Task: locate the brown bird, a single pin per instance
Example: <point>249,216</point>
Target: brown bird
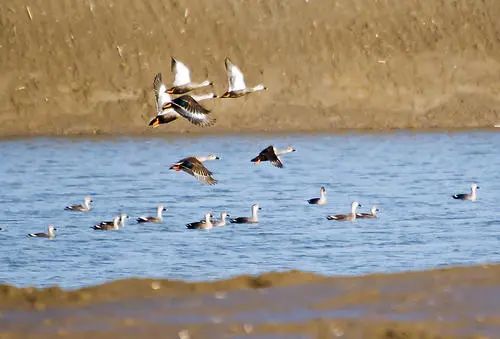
<point>271,154</point>
<point>194,166</point>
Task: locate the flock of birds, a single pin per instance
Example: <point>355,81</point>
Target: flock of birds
<point>188,107</point>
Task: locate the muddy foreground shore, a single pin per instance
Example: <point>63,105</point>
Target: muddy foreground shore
<point>444,303</point>
<point>87,67</point>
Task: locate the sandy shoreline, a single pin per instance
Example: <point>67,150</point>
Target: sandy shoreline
<point>442,303</point>
<point>87,69</point>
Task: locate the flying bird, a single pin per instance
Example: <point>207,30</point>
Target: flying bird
<point>194,166</point>
<point>236,80</point>
<point>272,154</point>
<point>168,109</point>
<point>182,79</point>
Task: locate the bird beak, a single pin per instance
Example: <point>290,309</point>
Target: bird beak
<point>260,208</point>
<point>477,187</point>
<point>164,210</point>
<point>217,158</point>
<point>359,205</point>
<point>293,150</point>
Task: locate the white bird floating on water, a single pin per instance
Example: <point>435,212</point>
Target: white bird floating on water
<point>85,207</point>
<point>182,79</point>
<point>346,217</point>
<point>222,220</point>
<point>158,219</point>
<point>51,233</point>
<point>322,198</point>
<point>236,80</point>
<point>472,196</point>
<point>254,219</point>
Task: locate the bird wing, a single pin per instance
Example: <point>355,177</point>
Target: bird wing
<point>196,168</point>
<point>270,154</point>
<point>161,94</point>
<point>182,75</point>
<point>235,76</point>
<point>190,109</point>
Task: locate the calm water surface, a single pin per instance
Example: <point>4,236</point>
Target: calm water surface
<point>409,176</point>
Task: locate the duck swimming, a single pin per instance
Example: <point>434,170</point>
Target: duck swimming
<point>248,220</point>
<point>51,233</point>
<point>158,219</point>
<point>322,198</point>
<point>346,217</point>
<point>472,196</point>
<point>85,207</point>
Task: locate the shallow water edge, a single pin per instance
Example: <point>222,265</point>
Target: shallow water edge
<point>440,303</point>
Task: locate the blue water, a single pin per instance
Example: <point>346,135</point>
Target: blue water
<point>409,176</point>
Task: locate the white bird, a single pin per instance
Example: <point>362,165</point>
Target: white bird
<point>322,198</point>
<point>158,219</point>
<point>346,217</point>
<point>50,233</point>
<point>85,207</point>
<point>168,109</point>
<point>237,86</point>
<point>272,154</point>
<point>222,220</point>
<point>472,196</point>
<point>182,79</point>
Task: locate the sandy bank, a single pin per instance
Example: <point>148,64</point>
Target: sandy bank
<point>445,303</point>
<point>87,67</point>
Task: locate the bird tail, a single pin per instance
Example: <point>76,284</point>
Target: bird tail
<point>331,217</point>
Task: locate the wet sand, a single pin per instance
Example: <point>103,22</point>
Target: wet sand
<point>443,303</point>
<point>87,67</point>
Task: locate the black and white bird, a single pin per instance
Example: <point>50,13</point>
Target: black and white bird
<point>108,225</point>
<point>472,196</point>
<point>236,80</point>
<point>202,224</point>
<point>85,207</point>
<point>51,233</point>
<point>254,219</point>
<point>182,79</point>
<point>168,109</point>
<point>194,166</point>
<point>371,215</point>
<point>322,198</point>
<point>272,154</point>
<point>157,219</point>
